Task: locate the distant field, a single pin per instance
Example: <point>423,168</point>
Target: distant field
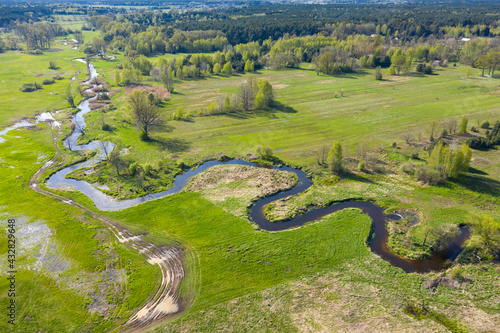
<point>73,22</point>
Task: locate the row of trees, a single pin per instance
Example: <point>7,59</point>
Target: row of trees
<point>252,95</point>
<point>450,161</point>
<point>39,35</point>
<point>489,61</point>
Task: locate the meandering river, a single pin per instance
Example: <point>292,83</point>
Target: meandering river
<point>377,240</point>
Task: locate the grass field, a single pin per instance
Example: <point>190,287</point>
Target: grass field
<point>373,113</point>
<point>251,279</point>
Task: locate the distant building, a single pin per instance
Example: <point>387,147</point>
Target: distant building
<point>436,63</point>
<point>452,39</point>
<point>465,39</point>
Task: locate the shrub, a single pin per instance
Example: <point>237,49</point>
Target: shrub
<point>408,168</point>
<point>53,64</point>
<point>485,125</point>
<point>361,165</point>
<point>106,127</point>
<point>29,87</point>
<point>478,142</point>
<point>148,169</point>
<point>48,81</point>
<point>134,168</point>
<point>428,176</point>
<point>378,73</point>
<point>473,129</point>
<point>58,77</point>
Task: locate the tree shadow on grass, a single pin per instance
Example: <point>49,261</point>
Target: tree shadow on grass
<point>356,177</point>
<point>268,112</point>
<point>172,145</point>
<point>477,171</point>
<point>479,184</point>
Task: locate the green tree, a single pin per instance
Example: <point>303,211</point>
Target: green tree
<point>335,157</point>
<point>378,73</point>
<point>485,233</point>
<point>217,69</point>
<point>117,77</point>
<point>444,236</point>
<point>264,97</point>
<point>462,126</point>
<point>226,106</point>
<point>227,69</point>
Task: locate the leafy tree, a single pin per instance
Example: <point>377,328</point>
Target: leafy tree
<point>146,116</point>
<point>217,69</point>
<point>53,64</point>
<point>264,97</point>
<point>444,236</point>
<point>117,77</point>
<point>179,113</point>
<point>245,95</point>
<point>378,73</point>
<point>226,106</point>
<point>227,69</point>
<point>486,233</point>
<point>335,157</point>
<point>433,126</point>
<point>114,159</point>
<point>462,126</point>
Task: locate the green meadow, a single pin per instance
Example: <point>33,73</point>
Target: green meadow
<point>245,278</point>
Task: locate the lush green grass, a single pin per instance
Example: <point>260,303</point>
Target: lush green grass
<point>371,112</point>
<point>51,301</point>
<point>234,258</point>
<point>17,68</point>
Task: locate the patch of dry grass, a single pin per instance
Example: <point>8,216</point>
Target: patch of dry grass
<point>226,185</point>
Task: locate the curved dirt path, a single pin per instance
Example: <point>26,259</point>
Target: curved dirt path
<point>169,259</point>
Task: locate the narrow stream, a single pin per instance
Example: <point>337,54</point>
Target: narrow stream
<point>377,240</point>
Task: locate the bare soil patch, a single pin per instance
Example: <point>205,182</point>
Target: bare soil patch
<point>159,91</point>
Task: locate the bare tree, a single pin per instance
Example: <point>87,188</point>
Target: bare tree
<point>79,128</point>
<point>168,82</point>
<point>323,155</point>
<point>104,148</point>
<point>69,96</point>
<point>115,159</point>
<point>246,96</point>
<point>146,116</point>
<point>408,137</point>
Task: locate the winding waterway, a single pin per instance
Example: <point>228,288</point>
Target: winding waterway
<point>377,240</point>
